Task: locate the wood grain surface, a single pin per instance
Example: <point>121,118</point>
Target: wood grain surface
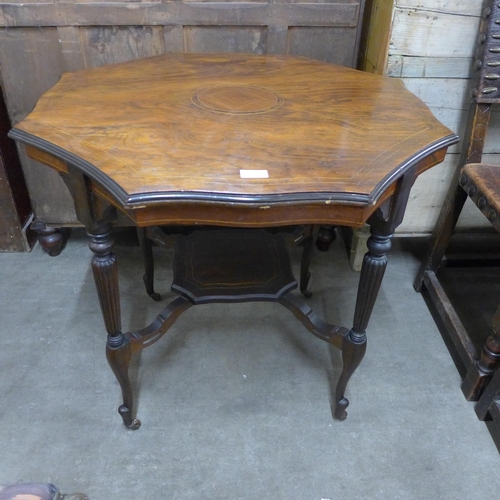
<point>182,126</point>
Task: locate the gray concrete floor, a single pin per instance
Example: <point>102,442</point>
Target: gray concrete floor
<point>234,400</point>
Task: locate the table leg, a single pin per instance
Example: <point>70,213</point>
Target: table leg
<point>118,351</point>
<point>147,255</point>
<point>354,344</point>
<point>307,253</point>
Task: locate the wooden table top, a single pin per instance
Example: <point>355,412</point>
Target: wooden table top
<point>192,128</point>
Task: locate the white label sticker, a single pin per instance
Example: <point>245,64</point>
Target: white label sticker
<point>254,174</point>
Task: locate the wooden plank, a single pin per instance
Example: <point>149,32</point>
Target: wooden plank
<point>429,67</point>
<point>212,39</point>
<point>448,99</point>
<point>334,45</point>
<point>377,26</point>
<point>462,7</point>
<point>422,33</point>
<point>335,13</point>
<point>448,93</point>
<point>114,44</point>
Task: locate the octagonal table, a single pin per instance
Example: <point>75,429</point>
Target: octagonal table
<point>238,141</point>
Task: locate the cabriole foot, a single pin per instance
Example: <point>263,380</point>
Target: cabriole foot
<point>130,423</point>
<point>340,412</point>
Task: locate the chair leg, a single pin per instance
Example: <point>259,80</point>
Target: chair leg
<point>489,397</point>
<point>441,235</point>
<point>475,134</point>
<point>481,371</point>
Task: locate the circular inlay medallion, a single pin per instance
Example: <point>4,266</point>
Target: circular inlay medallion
<point>237,99</point>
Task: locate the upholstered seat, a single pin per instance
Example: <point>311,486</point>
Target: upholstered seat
<point>482,183</point>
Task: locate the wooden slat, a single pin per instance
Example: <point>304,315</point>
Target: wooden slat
<point>341,13</point>
<point>448,99</point>
<point>421,33</point>
<point>429,67</point>
<point>462,7</point>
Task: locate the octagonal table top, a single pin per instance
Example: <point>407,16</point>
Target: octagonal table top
<point>236,127</point>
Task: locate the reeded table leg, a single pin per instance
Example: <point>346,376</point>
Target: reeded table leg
<point>354,344</point>
<point>118,353</point>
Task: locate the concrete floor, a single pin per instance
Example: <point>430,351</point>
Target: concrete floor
<point>234,401</point>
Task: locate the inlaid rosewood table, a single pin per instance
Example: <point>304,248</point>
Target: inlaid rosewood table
<point>238,141</point>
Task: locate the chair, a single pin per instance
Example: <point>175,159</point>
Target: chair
<point>480,182</point>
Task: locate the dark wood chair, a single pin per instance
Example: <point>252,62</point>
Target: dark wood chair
<point>480,182</point>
